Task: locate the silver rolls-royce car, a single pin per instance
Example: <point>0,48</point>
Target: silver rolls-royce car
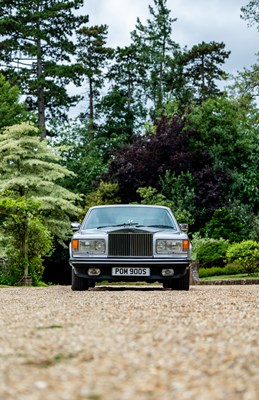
<point>130,243</point>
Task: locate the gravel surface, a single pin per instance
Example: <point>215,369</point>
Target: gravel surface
<point>137,343</point>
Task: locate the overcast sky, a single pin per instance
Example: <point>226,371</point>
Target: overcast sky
<point>197,21</point>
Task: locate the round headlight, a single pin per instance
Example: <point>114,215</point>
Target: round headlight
<point>161,245</point>
<point>99,246</point>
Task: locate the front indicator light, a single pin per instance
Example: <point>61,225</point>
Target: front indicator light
<point>75,244</point>
<point>186,245</point>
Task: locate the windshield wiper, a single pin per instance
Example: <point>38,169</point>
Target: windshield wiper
<point>117,225</point>
<point>161,226</point>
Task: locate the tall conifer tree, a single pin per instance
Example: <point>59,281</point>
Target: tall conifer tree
<point>93,56</point>
<point>201,66</point>
<point>157,48</point>
<point>36,48</point>
<point>250,13</point>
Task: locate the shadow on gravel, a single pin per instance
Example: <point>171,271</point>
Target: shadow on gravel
<point>129,288</point>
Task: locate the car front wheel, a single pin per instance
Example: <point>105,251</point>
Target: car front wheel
<point>79,283</point>
<point>182,283</point>
<point>167,285</point>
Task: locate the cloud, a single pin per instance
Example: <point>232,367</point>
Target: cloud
<point>197,21</point>
<point>120,16</point>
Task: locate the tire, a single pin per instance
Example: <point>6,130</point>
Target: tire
<point>79,283</point>
<point>182,283</point>
<point>167,285</point>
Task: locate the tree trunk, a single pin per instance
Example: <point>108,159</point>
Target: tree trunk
<point>202,76</point>
<point>24,246</point>
<point>91,106</point>
<point>40,93</point>
<point>41,112</point>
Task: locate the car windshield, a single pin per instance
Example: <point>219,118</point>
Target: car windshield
<point>120,216</point>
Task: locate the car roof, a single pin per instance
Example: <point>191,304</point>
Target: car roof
<point>129,205</point>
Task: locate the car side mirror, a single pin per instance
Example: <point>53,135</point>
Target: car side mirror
<point>75,226</point>
<point>184,227</point>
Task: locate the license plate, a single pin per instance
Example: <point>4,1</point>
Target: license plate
<point>130,271</point>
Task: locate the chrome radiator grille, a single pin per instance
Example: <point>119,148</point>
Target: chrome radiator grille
<point>130,244</point>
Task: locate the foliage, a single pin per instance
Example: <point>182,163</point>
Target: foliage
<point>82,152</point>
<point>218,126</point>
<point>225,128</point>
<point>245,187</point>
<point>211,252</point>
<point>245,254</point>
<point>24,237</point>
<point>156,47</point>
<point>246,86</point>
<point>11,110</point>
<point>201,68</point>
<point>93,56</point>
<point>107,193</point>
<point>29,168</point>
<point>37,204</point>
<point>226,225</point>
<point>193,160</point>
<point>36,51</point>
<point>165,159</point>
<point>220,271</point>
<point>124,106</point>
<point>254,235</point>
<point>181,191</point>
<point>250,13</point>
<point>120,115</point>
<point>149,195</point>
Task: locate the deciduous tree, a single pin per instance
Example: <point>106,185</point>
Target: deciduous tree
<point>145,164</point>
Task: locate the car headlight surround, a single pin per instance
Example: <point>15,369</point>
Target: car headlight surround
<point>91,246</point>
<point>170,246</point>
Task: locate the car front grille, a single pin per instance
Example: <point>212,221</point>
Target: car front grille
<point>130,245</point>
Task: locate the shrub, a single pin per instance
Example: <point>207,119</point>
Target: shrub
<point>107,193</point>
<point>149,195</point>
<point>24,237</point>
<point>197,241</point>
<point>246,254</point>
<point>227,225</point>
<point>218,271</point>
<point>211,252</point>
<point>39,246</point>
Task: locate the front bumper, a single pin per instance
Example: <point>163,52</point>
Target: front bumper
<point>81,266</point>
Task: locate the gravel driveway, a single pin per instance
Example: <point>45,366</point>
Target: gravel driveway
<point>137,343</point>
